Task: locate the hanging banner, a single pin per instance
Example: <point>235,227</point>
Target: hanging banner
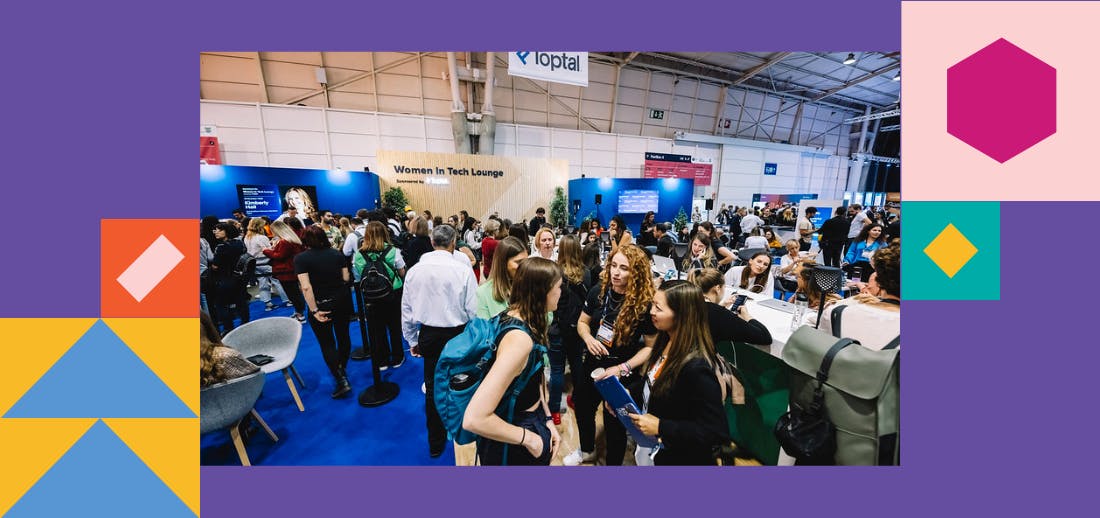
<point>667,165</point>
<point>570,68</point>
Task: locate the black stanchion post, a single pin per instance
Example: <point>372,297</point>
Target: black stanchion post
<point>359,353</point>
<point>381,392</point>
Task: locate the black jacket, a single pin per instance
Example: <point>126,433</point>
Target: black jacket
<point>834,231</point>
<point>727,327</point>
<point>416,247</point>
<point>535,224</point>
<point>693,419</point>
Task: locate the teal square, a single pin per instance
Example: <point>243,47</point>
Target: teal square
<point>979,222</point>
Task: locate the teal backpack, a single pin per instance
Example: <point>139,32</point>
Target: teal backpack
<point>465,361</point>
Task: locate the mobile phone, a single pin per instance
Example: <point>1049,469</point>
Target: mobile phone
<point>738,302</point>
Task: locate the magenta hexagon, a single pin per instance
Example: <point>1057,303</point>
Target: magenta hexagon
<point>1001,100</point>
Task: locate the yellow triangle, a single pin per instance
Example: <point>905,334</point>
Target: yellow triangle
<point>170,347</point>
<point>30,447</point>
<point>170,447</point>
<point>34,345</point>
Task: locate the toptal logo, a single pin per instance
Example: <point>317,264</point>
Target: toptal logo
<point>551,61</point>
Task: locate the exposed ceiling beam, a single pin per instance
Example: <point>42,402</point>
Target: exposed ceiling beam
<point>762,67</point>
<point>789,66</point>
<point>857,80</point>
<point>260,73</point>
<point>873,116</point>
<point>708,73</point>
<point>355,78</point>
<point>630,58</point>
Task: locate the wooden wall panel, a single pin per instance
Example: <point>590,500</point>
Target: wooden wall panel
<point>523,184</point>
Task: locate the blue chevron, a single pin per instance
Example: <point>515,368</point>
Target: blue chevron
<point>100,476</point>
<point>99,377</point>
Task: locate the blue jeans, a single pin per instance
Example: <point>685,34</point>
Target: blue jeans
<point>565,347</point>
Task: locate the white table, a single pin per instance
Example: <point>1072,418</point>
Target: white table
<point>778,322</point>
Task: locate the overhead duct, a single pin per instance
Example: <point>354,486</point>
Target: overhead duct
<point>458,110</point>
<point>487,136</point>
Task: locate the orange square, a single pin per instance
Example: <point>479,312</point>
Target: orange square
<point>149,268</point>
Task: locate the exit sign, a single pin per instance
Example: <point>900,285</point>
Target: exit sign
<point>656,114</point>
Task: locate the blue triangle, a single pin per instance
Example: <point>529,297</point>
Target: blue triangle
<point>100,476</point>
<point>99,376</point>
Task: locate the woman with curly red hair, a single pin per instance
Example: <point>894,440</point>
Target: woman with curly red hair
<point>618,332</point>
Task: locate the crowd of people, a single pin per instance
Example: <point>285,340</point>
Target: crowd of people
<point>586,293</point>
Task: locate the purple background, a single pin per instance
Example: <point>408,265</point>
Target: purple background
<point>101,122</point>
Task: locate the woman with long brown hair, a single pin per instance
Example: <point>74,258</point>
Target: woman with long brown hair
<point>682,396</point>
<point>535,292</point>
<point>616,328</point>
<point>700,253</point>
<point>493,296</point>
<point>756,276</point>
<point>620,235</point>
<point>218,362</point>
<point>565,344</point>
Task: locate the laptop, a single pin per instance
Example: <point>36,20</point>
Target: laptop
<point>781,305</point>
<point>662,265</point>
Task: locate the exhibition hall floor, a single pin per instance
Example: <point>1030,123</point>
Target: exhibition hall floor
<point>341,432</point>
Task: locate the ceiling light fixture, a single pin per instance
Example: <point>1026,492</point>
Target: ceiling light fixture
<point>850,60</point>
<point>897,77</point>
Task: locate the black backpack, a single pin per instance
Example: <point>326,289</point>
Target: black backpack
<point>244,270</point>
<point>572,301</point>
<point>398,236</point>
<point>376,283</point>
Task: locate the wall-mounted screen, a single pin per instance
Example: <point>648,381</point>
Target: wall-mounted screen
<point>637,201</point>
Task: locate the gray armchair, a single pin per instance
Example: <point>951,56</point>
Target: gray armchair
<point>223,406</point>
<point>277,337</point>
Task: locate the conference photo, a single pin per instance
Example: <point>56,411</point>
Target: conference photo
<point>550,258</point>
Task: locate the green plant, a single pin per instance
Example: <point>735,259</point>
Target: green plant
<point>395,199</point>
<point>557,208</point>
<point>681,220</point>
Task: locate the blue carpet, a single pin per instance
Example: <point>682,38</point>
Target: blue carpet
<point>331,431</point>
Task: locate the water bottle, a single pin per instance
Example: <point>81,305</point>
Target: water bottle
<point>800,305</point>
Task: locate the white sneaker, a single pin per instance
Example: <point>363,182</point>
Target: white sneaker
<point>578,457</point>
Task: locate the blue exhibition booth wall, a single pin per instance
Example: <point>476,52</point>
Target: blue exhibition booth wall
<point>339,191</point>
<point>672,195</point>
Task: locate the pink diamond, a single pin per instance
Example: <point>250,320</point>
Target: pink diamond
<point>151,267</point>
<point>1001,100</point>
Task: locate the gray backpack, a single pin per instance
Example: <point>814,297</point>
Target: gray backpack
<point>861,391</point>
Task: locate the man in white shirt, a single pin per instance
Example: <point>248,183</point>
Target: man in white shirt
<point>750,222</point>
<point>439,299</point>
<point>351,242</point>
<point>859,219</point>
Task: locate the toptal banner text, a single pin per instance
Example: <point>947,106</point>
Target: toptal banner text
<point>558,67</point>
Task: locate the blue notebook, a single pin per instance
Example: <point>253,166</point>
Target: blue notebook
<point>614,393</point>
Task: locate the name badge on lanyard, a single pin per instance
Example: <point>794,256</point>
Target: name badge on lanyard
<point>606,333</point>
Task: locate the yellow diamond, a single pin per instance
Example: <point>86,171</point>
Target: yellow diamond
<point>950,250</point>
